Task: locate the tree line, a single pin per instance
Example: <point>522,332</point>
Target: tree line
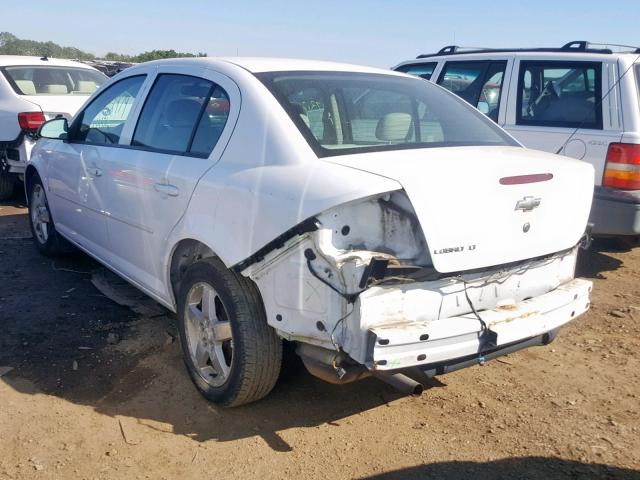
<point>12,45</point>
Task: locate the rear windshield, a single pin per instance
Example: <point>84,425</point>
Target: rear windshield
<point>343,113</point>
<point>27,80</point>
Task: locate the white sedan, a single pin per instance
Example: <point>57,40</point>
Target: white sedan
<point>378,222</point>
<point>32,91</point>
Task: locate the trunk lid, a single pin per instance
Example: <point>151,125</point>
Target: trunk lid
<point>477,207</point>
<point>54,105</point>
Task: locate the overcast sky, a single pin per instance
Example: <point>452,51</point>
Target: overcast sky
<point>374,32</point>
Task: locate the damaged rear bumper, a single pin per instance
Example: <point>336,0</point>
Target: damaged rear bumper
<point>321,289</point>
<point>431,343</point>
<point>441,368</point>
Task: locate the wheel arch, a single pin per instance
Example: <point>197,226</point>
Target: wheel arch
<point>30,173</point>
<point>185,253</point>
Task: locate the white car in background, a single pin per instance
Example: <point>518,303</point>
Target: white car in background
<point>580,100</point>
<point>377,221</point>
<point>33,90</point>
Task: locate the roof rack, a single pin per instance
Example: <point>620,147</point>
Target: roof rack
<point>582,46</point>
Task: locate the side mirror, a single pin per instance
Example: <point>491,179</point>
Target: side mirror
<point>56,129</point>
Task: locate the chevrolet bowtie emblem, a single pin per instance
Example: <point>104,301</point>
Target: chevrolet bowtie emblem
<point>528,203</point>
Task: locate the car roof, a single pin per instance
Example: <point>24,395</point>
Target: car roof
<point>575,49</point>
<point>520,54</point>
<point>269,64</point>
<point>523,53</point>
<point>16,60</point>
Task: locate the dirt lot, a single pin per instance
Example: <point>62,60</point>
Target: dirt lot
<point>98,390</point>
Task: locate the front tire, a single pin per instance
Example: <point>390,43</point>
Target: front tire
<point>45,237</point>
<point>232,355</point>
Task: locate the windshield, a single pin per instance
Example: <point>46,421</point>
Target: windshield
<point>27,80</point>
<point>344,113</point>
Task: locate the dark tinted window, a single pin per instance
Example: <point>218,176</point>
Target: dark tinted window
<point>479,83</point>
<point>560,94</point>
<point>211,123</point>
<point>343,113</point>
<point>422,70</point>
<point>182,114</point>
<point>102,121</point>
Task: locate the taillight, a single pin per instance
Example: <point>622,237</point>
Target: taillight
<point>622,170</point>
<point>31,121</point>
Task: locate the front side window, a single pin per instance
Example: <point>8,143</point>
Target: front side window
<point>182,114</point>
<point>560,94</point>
<point>422,70</point>
<point>344,113</point>
<point>101,123</point>
<point>27,80</point>
<point>478,82</point>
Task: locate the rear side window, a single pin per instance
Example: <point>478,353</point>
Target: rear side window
<point>182,114</point>
<point>479,83</point>
<point>27,80</point>
<point>560,94</point>
<point>101,123</point>
<point>422,70</point>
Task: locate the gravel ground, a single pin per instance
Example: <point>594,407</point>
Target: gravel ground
<point>93,389</point>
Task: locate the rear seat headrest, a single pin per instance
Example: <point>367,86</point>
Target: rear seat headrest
<point>86,86</point>
<point>27,87</point>
<point>394,127</point>
<point>55,88</point>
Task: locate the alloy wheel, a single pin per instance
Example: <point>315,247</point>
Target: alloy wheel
<point>209,334</point>
<point>40,217</point>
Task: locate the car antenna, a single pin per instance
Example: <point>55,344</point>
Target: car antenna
<point>564,145</point>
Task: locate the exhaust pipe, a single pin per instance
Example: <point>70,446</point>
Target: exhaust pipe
<point>334,367</point>
<point>329,365</point>
<point>400,382</point>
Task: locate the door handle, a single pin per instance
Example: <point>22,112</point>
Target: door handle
<point>167,189</point>
<point>94,171</point>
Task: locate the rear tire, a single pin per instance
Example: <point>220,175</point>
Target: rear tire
<point>232,355</point>
<point>7,185</point>
<point>45,237</point>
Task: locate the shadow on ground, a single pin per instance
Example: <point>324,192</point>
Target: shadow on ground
<point>594,264</point>
<point>597,261</point>
<point>511,469</point>
<point>13,221</point>
<point>63,337</point>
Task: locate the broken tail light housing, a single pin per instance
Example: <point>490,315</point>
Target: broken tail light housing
<point>30,122</point>
<point>622,170</point>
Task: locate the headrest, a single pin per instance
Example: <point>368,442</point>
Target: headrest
<point>86,86</point>
<point>394,127</point>
<point>301,112</point>
<point>26,86</point>
<point>55,89</point>
<point>182,113</point>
